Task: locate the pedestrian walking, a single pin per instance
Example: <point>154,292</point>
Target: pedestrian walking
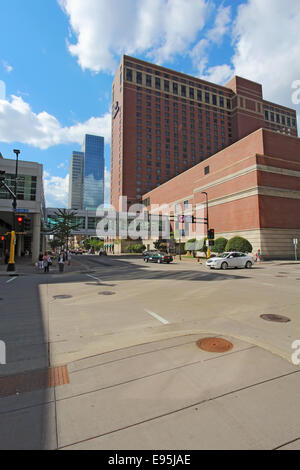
<point>69,258</point>
<point>41,261</point>
<point>49,260</point>
<point>61,263</point>
<point>46,263</point>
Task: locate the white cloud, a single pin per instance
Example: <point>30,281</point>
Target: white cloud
<point>221,26</point>
<point>7,67</point>
<point>56,190</point>
<point>220,74</point>
<point>18,123</point>
<point>200,52</point>
<point>105,30</point>
<point>199,55</point>
<point>267,46</point>
<point>2,90</point>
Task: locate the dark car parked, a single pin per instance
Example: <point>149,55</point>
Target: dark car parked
<point>158,257</point>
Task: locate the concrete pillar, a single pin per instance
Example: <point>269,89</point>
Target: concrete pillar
<point>19,245</point>
<point>36,237</point>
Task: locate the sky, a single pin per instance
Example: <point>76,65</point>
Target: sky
<point>58,59</point>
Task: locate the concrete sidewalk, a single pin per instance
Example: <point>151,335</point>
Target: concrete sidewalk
<point>163,394</point>
<point>24,266</point>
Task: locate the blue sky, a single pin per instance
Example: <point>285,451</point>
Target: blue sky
<point>58,58</point>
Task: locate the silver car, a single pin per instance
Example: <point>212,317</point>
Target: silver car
<point>230,259</point>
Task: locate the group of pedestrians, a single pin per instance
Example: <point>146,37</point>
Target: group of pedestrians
<point>45,261</point>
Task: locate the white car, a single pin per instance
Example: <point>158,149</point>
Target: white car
<point>230,259</point>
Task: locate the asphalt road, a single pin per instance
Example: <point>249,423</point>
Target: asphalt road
<point>127,332</point>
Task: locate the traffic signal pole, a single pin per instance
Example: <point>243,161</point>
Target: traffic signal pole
<point>207,223</point>
<point>11,262</point>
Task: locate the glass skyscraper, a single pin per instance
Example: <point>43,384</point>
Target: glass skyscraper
<point>93,181</point>
<point>86,187</point>
<point>76,180</point>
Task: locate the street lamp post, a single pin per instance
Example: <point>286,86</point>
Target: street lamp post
<point>17,152</point>
<point>207,223</point>
<point>11,262</point>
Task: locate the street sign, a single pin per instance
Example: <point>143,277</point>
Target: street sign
<point>295,241</point>
<point>22,210</point>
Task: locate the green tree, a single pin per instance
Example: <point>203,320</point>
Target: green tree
<point>239,244</point>
<point>219,245</point>
<point>137,248</point>
<point>160,245</point>
<point>194,245</point>
<point>62,224</point>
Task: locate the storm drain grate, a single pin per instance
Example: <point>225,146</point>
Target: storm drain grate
<point>61,297</point>
<point>275,318</point>
<point>33,380</point>
<point>214,345</point>
<point>107,292</point>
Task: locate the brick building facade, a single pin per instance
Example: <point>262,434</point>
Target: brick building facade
<point>165,122</point>
<point>253,189</point>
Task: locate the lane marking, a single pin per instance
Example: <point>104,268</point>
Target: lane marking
<point>159,318</point>
<point>12,279</point>
<point>93,277</point>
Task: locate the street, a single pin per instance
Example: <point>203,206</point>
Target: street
<point>134,377</point>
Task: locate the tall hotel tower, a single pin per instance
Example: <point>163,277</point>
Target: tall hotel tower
<point>164,122</point>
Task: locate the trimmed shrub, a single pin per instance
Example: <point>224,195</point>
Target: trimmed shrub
<point>137,248</point>
<point>194,245</point>
<point>239,244</point>
<point>219,245</point>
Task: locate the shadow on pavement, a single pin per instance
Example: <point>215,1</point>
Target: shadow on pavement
<point>123,268</point>
<point>25,418</point>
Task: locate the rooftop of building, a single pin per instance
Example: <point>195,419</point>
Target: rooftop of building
<point>231,86</point>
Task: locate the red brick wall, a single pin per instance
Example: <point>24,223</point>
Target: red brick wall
<point>241,214</point>
<point>278,145</point>
<point>277,212</point>
<point>249,212</point>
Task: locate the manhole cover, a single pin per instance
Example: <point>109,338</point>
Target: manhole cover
<point>214,344</point>
<point>107,292</point>
<point>58,297</point>
<point>276,318</point>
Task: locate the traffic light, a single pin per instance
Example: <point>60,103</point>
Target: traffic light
<point>2,238</point>
<point>27,224</point>
<point>20,223</point>
<point>211,234</point>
